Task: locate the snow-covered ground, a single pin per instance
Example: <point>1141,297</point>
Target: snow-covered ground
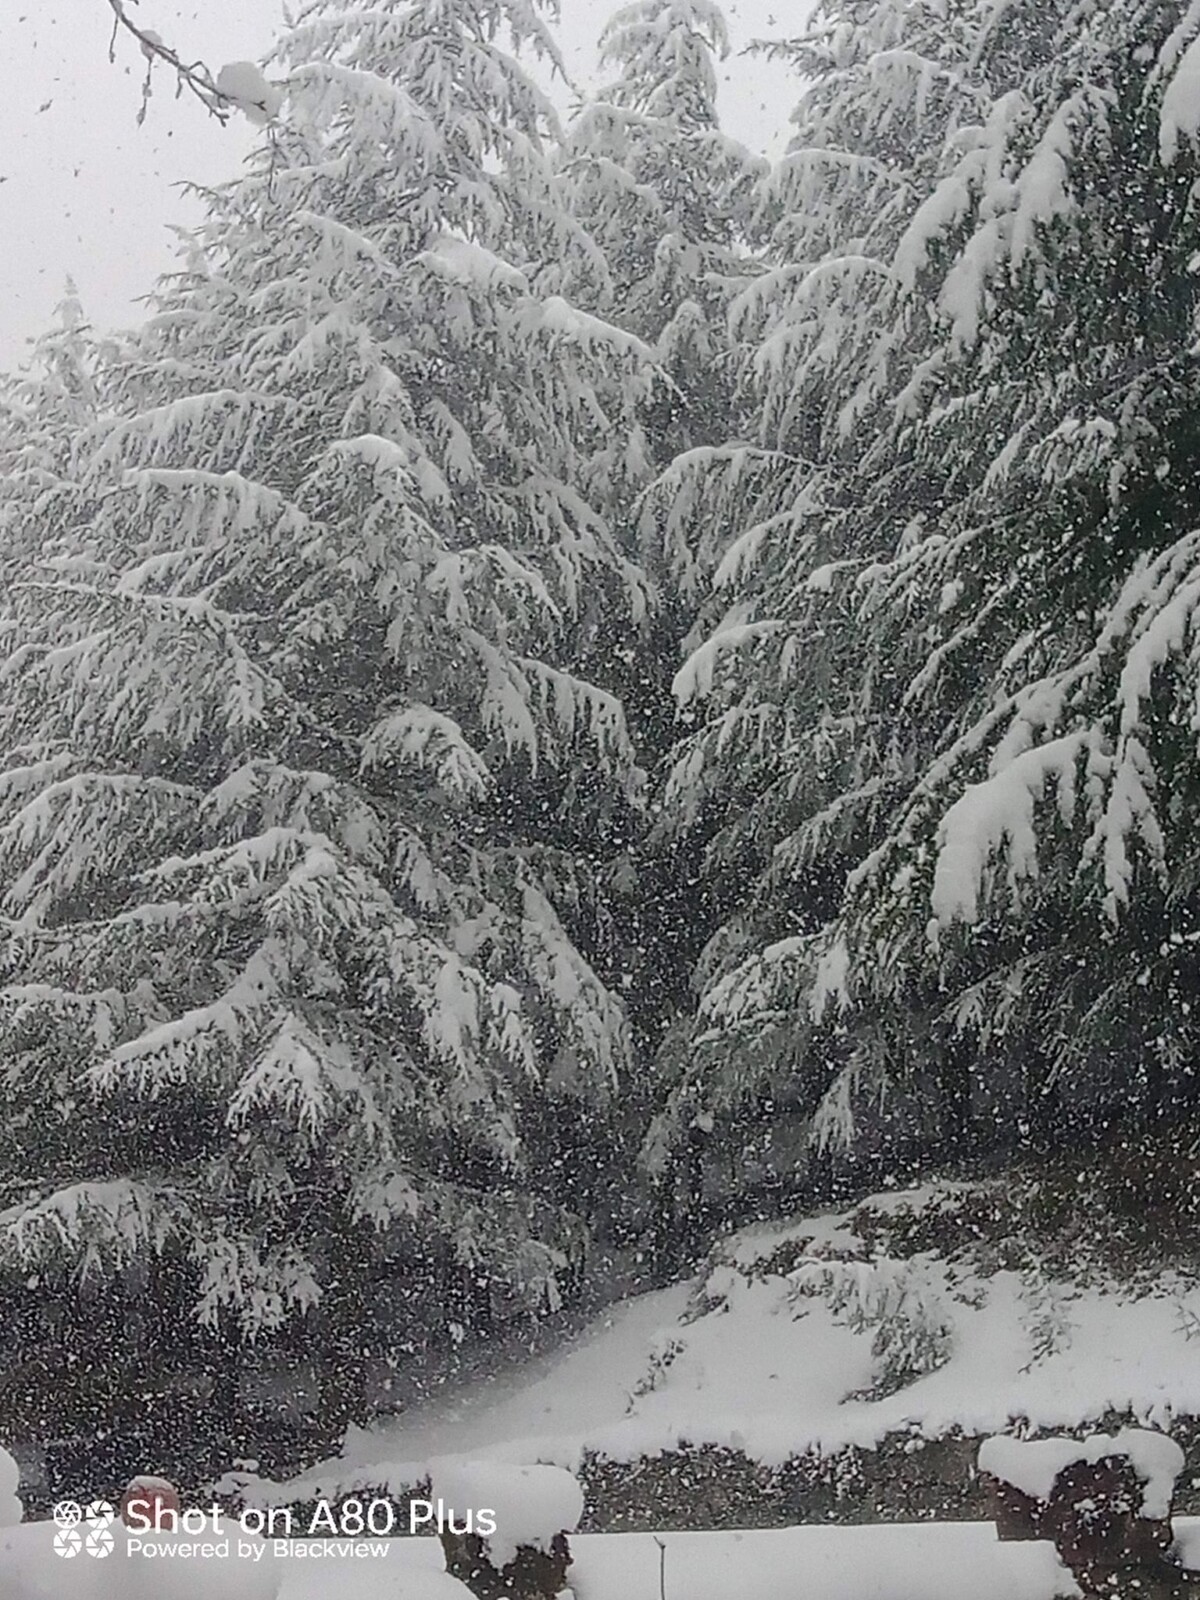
<point>806,1336</point>
<point>916,1561</point>
<point>925,1561</point>
<point>787,1346</point>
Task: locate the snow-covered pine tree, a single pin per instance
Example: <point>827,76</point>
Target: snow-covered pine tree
<point>44,409</point>
<point>1035,892</point>
<point>668,199</point>
<point>288,977</point>
<point>777,767</point>
<point>977,638</point>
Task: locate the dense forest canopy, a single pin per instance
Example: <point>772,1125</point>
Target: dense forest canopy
<point>564,676</point>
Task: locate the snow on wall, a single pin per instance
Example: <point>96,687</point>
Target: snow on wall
<point>1031,1465</point>
<point>531,1504</point>
<point>30,1569</point>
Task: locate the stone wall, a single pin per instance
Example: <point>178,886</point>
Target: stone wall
<point>907,1479</point>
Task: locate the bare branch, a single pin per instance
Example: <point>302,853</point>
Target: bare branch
<point>194,76</point>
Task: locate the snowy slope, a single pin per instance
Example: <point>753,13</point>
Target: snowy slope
<point>543,1409</point>
<point>813,1338</point>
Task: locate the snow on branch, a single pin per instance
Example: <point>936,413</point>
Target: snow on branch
<point>171,1052</point>
<point>452,579</point>
<point>464,262</point>
<point>226,422</point>
<point>302,805</point>
<point>238,86</point>
<point>1011,201</point>
<point>80,830</point>
<point>113,1220</point>
<point>388,112</point>
<point>433,741</point>
<point>991,815</point>
<point>1179,114</point>
<point>261,1285</point>
<point>578,709</point>
<point>336,235</point>
<point>559,320</point>
<point>301,1076</point>
<point>380,1198</point>
<point>598,1029</point>
<point>242,85</point>
<point>694,680</point>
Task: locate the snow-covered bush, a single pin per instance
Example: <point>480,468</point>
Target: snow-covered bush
<point>665,1351</point>
<point>900,1303</point>
<point>1047,1316</point>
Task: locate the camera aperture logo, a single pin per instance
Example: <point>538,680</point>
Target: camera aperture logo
<point>83,1530</point>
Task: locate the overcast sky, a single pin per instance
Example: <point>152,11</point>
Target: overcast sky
<point>85,192</point>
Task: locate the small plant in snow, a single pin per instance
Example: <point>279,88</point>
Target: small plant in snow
<point>1045,1318</point>
<point>663,1356</point>
<point>1187,1319</point>
<point>900,1303</point>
